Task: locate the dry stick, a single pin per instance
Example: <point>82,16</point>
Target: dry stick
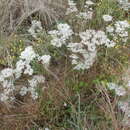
<point>54,75</point>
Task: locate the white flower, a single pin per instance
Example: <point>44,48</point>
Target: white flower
<point>39,78</point>
<point>91,47</point>
<point>47,129</point>
<point>119,90</point>
<point>37,24</point>
<point>87,35</point>
<point>90,39</point>
<point>33,82</point>
<point>8,88</point>
<point>20,65</point>
<point>23,66</point>
<point>56,42</point>
<point>28,54</point>
<point>72,7</point>
<point>28,70</point>
<point>124,4</point>
<point>74,59</point>
<point>34,95</point>
<point>74,56</point>
<point>74,62</point>
<point>8,72</point>
<point>109,29</point>
<point>36,80</point>
<point>89,2</point>
<point>23,91</point>
<point>121,26</point>
<point>123,106</point>
<point>64,30</point>
<point>65,104</point>
<point>54,33</point>
<point>107,18</point>
<point>123,34</point>
<point>75,47</point>
<point>32,32</point>
<point>7,84</point>
<point>35,28</point>
<point>1,78</point>
<point>60,36</point>
<point>3,97</point>
<point>112,86</point>
<point>110,44</point>
<point>85,15</point>
<point>45,59</point>
<point>119,31</point>
<point>89,58</point>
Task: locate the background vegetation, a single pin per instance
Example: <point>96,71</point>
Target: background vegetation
<point>72,100</point>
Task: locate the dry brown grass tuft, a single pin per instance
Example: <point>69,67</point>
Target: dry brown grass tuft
<point>18,118</point>
<point>14,12</point>
<point>108,105</point>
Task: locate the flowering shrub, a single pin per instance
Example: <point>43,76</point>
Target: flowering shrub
<point>9,76</point>
<point>83,54</point>
<point>90,39</point>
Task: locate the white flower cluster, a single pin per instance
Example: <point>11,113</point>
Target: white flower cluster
<point>60,35</point>
<point>107,18</point>
<point>6,73</point>
<point>124,4</point>
<point>119,90</point>
<point>35,28</point>
<point>7,90</point>
<point>33,83</point>
<point>85,15</point>
<point>90,39</point>
<point>6,84</point>
<point>88,14</point>
<point>23,65</point>
<point>72,7</point>
<point>84,60</point>
<point>124,106</point>
<point>9,75</point>
<point>89,3</point>
<point>47,129</point>
<point>45,59</point>
<point>119,30</point>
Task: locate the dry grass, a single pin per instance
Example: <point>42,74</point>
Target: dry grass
<point>108,105</point>
<point>14,12</point>
<point>18,118</point>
